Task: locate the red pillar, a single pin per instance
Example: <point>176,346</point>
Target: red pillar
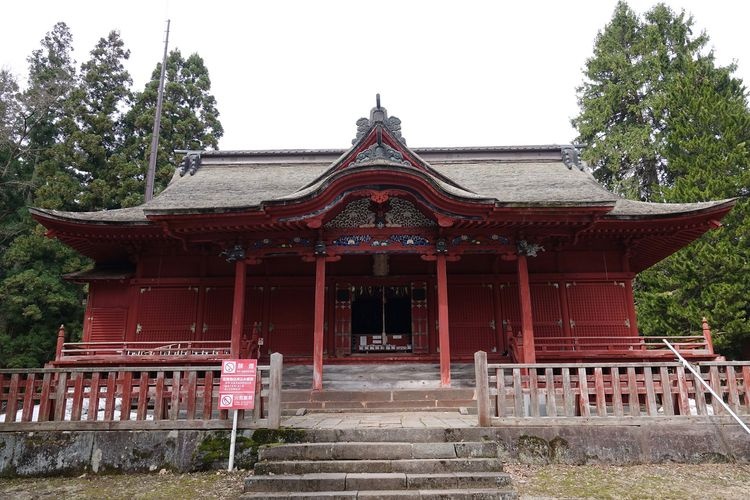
<point>443,337</point>
<point>527,328</point>
<point>238,307</point>
<point>320,290</point>
<point>630,298</point>
<point>61,341</point>
<point>706,335</point>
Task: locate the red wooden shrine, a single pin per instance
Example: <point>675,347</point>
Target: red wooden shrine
<point>381,253</point>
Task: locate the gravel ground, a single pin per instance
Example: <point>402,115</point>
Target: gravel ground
<point>730,481</point>
<point>681,481</point>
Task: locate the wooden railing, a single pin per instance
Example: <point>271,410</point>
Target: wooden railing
<point>508,392</point>
<point>180,397</point>
<point>651,347</point>
<point>213,349</point>
<point>693,344</point>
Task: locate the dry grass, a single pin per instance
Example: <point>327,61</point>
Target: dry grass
<point>681,481</point>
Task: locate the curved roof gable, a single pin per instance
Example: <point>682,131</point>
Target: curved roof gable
<point>380,144</point>
<point>256,182</point>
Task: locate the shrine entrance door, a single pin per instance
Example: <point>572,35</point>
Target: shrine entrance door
<point>381,318</point>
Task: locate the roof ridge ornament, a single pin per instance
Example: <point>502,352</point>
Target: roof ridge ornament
<point>572,157</point>
<point>190,163</point>
<point>379,115</point>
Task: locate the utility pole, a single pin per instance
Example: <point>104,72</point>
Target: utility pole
<point>151,172</point>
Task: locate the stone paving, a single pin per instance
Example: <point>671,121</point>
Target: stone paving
<point>406,420</point>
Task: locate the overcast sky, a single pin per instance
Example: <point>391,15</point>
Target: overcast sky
<point>297,74</point>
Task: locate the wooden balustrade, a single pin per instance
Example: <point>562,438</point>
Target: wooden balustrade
<point>129,398</point>
<point>118,352</point>
<point>599,390</point>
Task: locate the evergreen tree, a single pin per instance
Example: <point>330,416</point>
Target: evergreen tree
<point>103,93</point>
<point>622,100</point>
<point>708,151</point>
<point>189,121</point>
<point>47,100</point>
<point>79,142</point>
<point>660,121</point>
<point>33,298</point>
<point>13,184</point>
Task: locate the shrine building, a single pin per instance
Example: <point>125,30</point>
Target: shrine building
<point>378,254</point>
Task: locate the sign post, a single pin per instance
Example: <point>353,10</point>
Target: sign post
<point>237,392</point>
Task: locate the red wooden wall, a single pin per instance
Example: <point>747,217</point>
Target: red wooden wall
<point>471,313</point>
<point>162,305</point>
<point>106,312</point>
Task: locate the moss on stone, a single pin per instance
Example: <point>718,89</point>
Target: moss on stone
<point>213,450</point>
<point>272,436</point>
<point>533,450</point>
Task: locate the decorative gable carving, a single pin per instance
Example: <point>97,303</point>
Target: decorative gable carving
<point>393,212</point>
<point>380,152</point>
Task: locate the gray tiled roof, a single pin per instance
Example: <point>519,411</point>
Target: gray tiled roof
<point>519,176</point>
<point>630,209</point>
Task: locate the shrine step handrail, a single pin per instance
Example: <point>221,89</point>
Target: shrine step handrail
<point>699,378</point>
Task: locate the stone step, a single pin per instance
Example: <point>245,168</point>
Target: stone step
<point>452,494</point>
<point>379,400</point>
<point>357,481</point>
<point>381,395</point>
<point>378,451</point>
<point>292,409</point>
<point>376,434</point>
<point>378,375</point>
<point>409,466</point>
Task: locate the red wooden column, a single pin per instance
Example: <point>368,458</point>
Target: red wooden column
<point>320,290</point>
<point>238,307</point>
<point>443,334</point>
<point>527,327</point>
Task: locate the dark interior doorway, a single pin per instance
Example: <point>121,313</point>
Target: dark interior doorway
<point>367,311</point>
<point>381,319</point>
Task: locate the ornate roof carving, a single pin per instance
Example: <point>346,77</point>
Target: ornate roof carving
<point>364,213</point>
<point>380,152</point>
<point>379,114</point>
<point>190,164</point>
<point>572,158</point>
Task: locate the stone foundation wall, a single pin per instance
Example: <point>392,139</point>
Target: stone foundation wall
<point>75,452</point>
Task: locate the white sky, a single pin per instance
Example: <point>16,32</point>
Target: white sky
<point>297,74</point>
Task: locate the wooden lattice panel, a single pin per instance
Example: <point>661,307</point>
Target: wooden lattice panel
<point>166,314</point>
<point>217,313</point>
<point>291,320</point>
<point>598,309</point>
<point>545,309</point>
<point>472,318</point>
<point>419,318</point>
<point>107,324</point>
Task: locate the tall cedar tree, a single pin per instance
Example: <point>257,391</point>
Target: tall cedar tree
<point>660,121</point>
<point>708,151</point>
<point>79,142</point>
<point>622,100</point>
<point>33,298</point>
<point>14,185</point>
<point>190,121</point>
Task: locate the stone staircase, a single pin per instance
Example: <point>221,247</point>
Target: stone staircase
<point>380,464</point>
<point>377,388</point>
